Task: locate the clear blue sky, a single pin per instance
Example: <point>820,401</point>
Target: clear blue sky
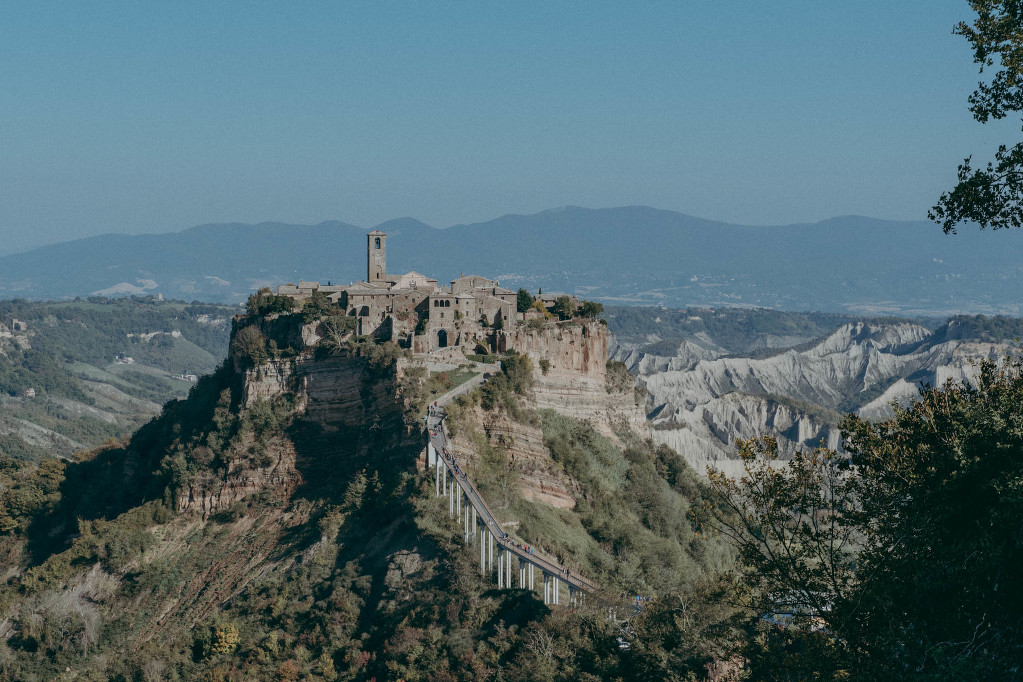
<point>153,117</point>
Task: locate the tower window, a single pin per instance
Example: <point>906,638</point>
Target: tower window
<point>376,243</point>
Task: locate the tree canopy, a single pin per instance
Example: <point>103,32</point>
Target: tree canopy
<point>524,301</point>
<point>993,194</point>
<point>908,547</point>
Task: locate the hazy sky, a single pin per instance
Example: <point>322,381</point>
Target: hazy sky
<point>153,117</point>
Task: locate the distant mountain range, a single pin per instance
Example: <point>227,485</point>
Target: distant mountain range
<point>627,255</point>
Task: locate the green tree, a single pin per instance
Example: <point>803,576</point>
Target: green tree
<point>910,550</point>
<point>318,306</point>
<point>524,301</point>
<point>563,307</point>
<point>265,302</point>
<point>249,344</point>
<point>591,309</point>
<point>992,195</point>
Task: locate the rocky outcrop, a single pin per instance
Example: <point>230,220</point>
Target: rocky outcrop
<point>699,406</point>
<point>576,347</point>
<point>570,377</point>
<point>343,406</point>
<point>209,494</point>
<point>539,478</point>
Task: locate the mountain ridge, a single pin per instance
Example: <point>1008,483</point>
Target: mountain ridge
<point>631,255</point>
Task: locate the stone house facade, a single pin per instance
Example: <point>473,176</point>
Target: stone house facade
<point>413,310</point>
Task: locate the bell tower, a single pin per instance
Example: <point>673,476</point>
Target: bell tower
<point>376,257</point>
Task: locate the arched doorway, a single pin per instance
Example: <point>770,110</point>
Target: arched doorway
<point>442,338</point>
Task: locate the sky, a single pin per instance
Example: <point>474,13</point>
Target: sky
<point>154,117</point>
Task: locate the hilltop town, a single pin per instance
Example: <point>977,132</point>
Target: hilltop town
<point>419,314</point>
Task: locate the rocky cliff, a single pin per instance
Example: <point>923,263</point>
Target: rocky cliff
<point>569,376</point>
<point>701,401</point>
<point>336,407</point>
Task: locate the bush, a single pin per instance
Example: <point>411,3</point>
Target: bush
<point>249,345</point>
<point>265,302</point>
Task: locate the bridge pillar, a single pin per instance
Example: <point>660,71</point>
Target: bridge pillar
<point>483,554</point>
<point>546,587</point>
<point>451,500</point>
<point>490,550</point>
<point>554,589</point>
<point>436,471</point>
<point>571,595</point>
<point>458,500</point>
<point>522,573</point>
<point>444,479</point>
<point>530,576</point>
<point>501,557</point>
<point>508,569</point>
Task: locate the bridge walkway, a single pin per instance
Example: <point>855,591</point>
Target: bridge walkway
<point>481,527</point>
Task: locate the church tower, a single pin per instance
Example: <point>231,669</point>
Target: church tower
<point>376,257</point>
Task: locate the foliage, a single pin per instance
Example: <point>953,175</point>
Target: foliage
<point>563,308</point>
<point>265,302</point>
<point>590,308</point>
<point>618,379</point>
<point>249,346</point>
<point>524,301</point>
<point>907,554</point>
<point>318,306</point>
<point>993,195</point>
<point>380,356</point>
<point>336,330</point>
<point>539,306</point>
<point>516,377</point>
<point>794,526</point>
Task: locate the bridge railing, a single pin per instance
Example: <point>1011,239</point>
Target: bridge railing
<point>490,521</point>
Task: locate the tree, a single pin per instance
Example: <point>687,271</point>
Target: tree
<point>563,307</point>
<point>317,306</point>
<point>249,345</point>
<point>524,301</point>
<point>265,302</point>
<point>909,551</point>
<point>591,309</point>
<point>992,195</point>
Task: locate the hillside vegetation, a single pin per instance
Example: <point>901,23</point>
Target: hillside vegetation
<point>79,372</point>
<point>341,564</point>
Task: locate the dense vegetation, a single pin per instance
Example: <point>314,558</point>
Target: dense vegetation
<point>906,547</point>
<point>61,374</point>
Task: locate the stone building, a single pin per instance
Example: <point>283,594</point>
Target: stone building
<point>413,310</point>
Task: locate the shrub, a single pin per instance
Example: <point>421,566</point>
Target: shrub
<point>265,302</point>
<point>249,345</point>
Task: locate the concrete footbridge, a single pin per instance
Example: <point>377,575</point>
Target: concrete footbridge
<point>481,528</point>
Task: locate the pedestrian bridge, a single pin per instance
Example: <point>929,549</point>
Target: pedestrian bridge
<point>500,556</point>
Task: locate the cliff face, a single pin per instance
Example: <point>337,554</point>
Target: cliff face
<point>342,407</point>
<point>210,494</point>
<point>702,400</point>
<point>575,382</point>
<point>570,377</point>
